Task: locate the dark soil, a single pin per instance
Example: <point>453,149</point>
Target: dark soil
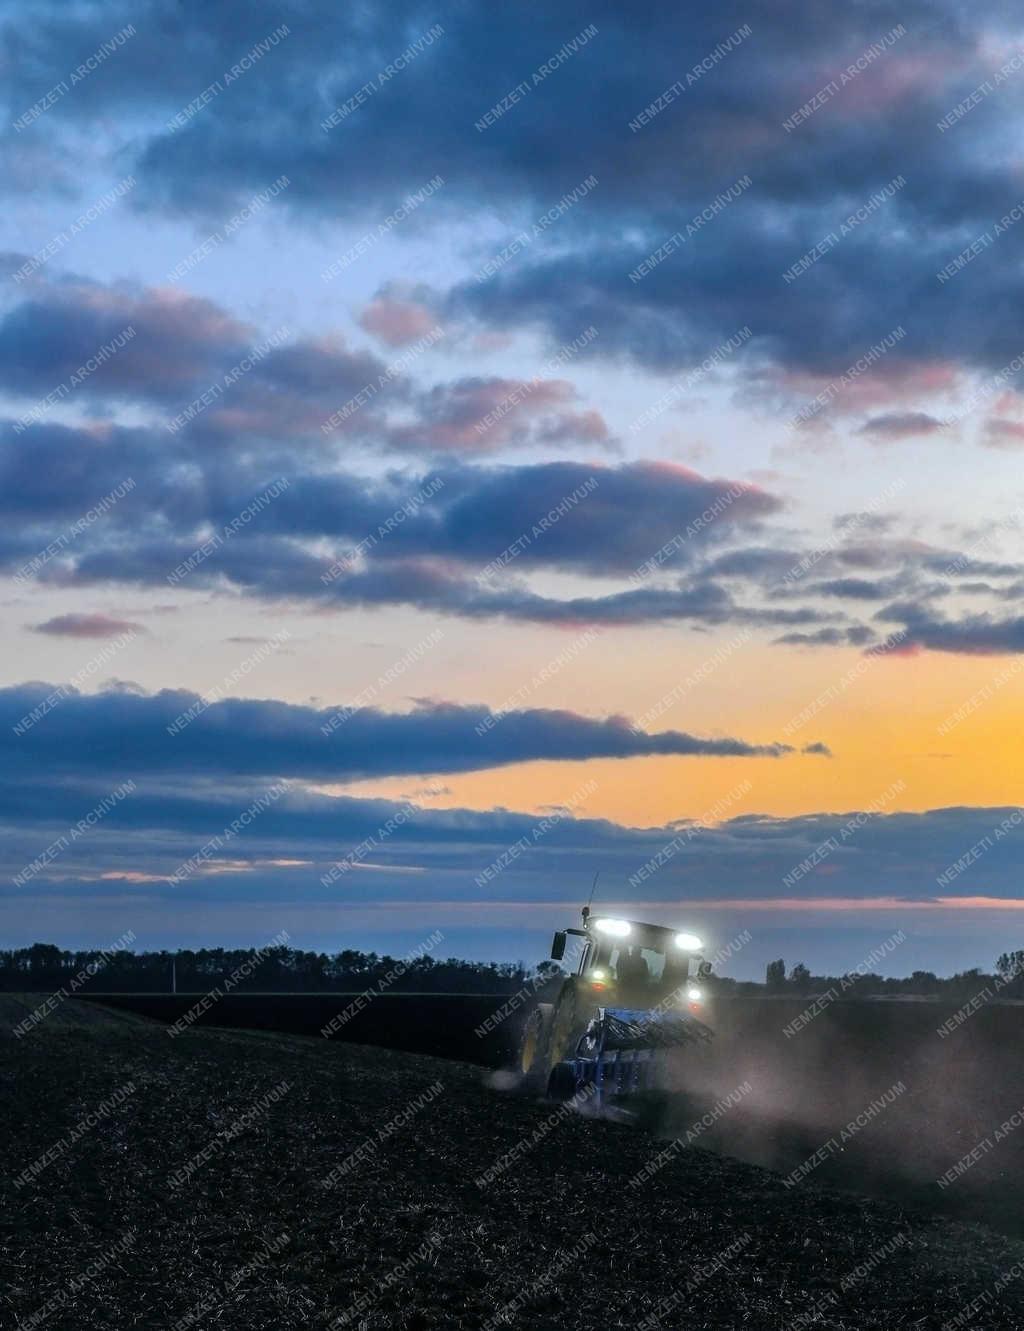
<point>72,1014</point>
<point>256,1238</point>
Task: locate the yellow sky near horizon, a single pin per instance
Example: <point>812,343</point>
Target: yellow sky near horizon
<point>886,719</point>
<point>906,733</point>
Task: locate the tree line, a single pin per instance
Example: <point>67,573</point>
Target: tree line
<point>280,969</point>
<point>1006,982</point>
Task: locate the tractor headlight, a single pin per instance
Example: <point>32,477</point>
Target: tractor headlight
<point>689,942</point>
<point>616,928</point>
<point>694,995</point>
<point>598,974</point>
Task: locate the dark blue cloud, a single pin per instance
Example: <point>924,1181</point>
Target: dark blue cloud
<point>456,539</point>
<point>901,425</point>
<point>857,636</point>
<point>974,634</point>
<point>726,119</point>
<point>459,539</point>
<point>218,381</point>
<point>176,732</point>
<point>593,518</point>
<point>165,348</point>
<point>415,854</point>
<point>859,589</point>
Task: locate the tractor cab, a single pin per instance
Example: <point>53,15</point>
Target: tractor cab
<point>631,964</point>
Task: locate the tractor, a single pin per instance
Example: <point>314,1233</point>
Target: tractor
<point>635,995</point>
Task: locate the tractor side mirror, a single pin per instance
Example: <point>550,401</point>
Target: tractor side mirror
<point>704,969</point>
<point>558,946</point>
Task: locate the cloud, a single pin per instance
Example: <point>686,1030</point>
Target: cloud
<point>971,635</point>
<point>428,859</point>
<point>466,539</point>
<point>396,322</point>
<point>811,172</point>
<point>176,342</point>
<point>864,521</point>
<point>901,425</point>
<point>1002,433</point>
<point>857,636</point>
<point>87,626</point>
<point>213,378</point>
<point>206,372</point>
<point>483,415</point>
<point>177,732</point>
<point>860,589</point>
<point>458,539</point>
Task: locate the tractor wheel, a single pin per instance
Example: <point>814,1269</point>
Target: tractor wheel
<point>568,1023</point>
<point>562,1082</point>
<point>531,1057</point>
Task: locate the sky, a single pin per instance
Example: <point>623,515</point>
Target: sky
<point>451,452</point>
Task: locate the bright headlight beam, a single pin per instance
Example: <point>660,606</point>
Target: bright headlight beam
<point>616,928</point>
<point>689,942</point>
<point>694,994</point>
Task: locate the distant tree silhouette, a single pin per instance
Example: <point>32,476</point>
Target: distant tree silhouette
<point>271,970</point>
<point>1010,968</point>
<point>775,974</point>
<point>43,967</point>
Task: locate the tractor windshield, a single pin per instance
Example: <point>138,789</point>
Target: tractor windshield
<point>635,964</point>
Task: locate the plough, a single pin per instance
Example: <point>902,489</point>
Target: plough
<point>620,1054</point>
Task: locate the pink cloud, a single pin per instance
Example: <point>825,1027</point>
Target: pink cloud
<point>481,415</point>
<point>1002,433</point>
<point>897,77</point>
<point>86,626</point>
<point>797,905</point>
<point>396,322</point>
<point>893,383</point>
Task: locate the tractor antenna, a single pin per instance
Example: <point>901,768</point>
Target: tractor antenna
<point>593,888</point>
